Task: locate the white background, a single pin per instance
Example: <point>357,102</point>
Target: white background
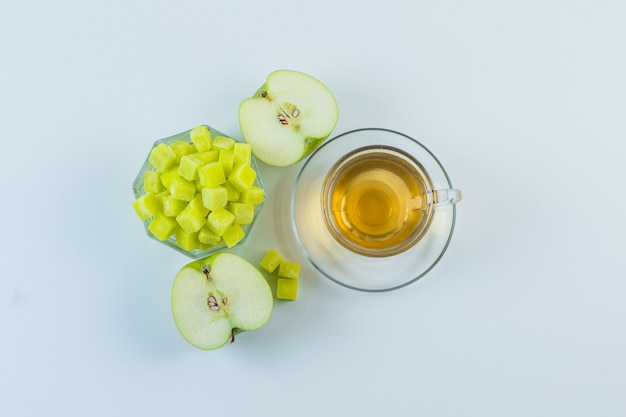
<point>524,102</point>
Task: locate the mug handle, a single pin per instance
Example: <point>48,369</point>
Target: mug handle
<point>444,197</point>
<point>436,198</point>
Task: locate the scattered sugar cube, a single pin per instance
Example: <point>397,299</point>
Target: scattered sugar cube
<point>289,270</point>
<point>286,289</point>
<point>271,261</point>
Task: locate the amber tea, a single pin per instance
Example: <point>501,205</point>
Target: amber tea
<point>373,201</point>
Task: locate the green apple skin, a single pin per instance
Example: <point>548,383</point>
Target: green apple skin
<point>285,142</point>
<point>217,297</point>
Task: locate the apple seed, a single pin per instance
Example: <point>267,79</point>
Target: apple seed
<point>282,118</point>
<point>213,303</point>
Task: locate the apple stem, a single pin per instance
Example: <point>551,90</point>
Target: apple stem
<point>206,269</point>
<point>232,339</point>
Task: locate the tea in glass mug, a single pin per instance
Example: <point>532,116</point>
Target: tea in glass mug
<point>378,201</point>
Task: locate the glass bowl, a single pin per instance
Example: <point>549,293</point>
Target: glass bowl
<point>175,239</point>
<point>347,267</point>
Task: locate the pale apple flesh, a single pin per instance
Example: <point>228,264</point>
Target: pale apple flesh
<point>288,117</point>
<point>216,297</point>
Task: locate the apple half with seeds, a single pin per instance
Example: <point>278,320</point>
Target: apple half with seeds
<point>288,117</point>
<point>217,297</point>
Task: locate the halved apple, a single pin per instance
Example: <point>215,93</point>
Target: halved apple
<point>288,117</point>
<point>215,298</point>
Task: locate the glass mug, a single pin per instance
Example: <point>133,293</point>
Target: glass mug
<point>379,200</point>
<point>373,209</point>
